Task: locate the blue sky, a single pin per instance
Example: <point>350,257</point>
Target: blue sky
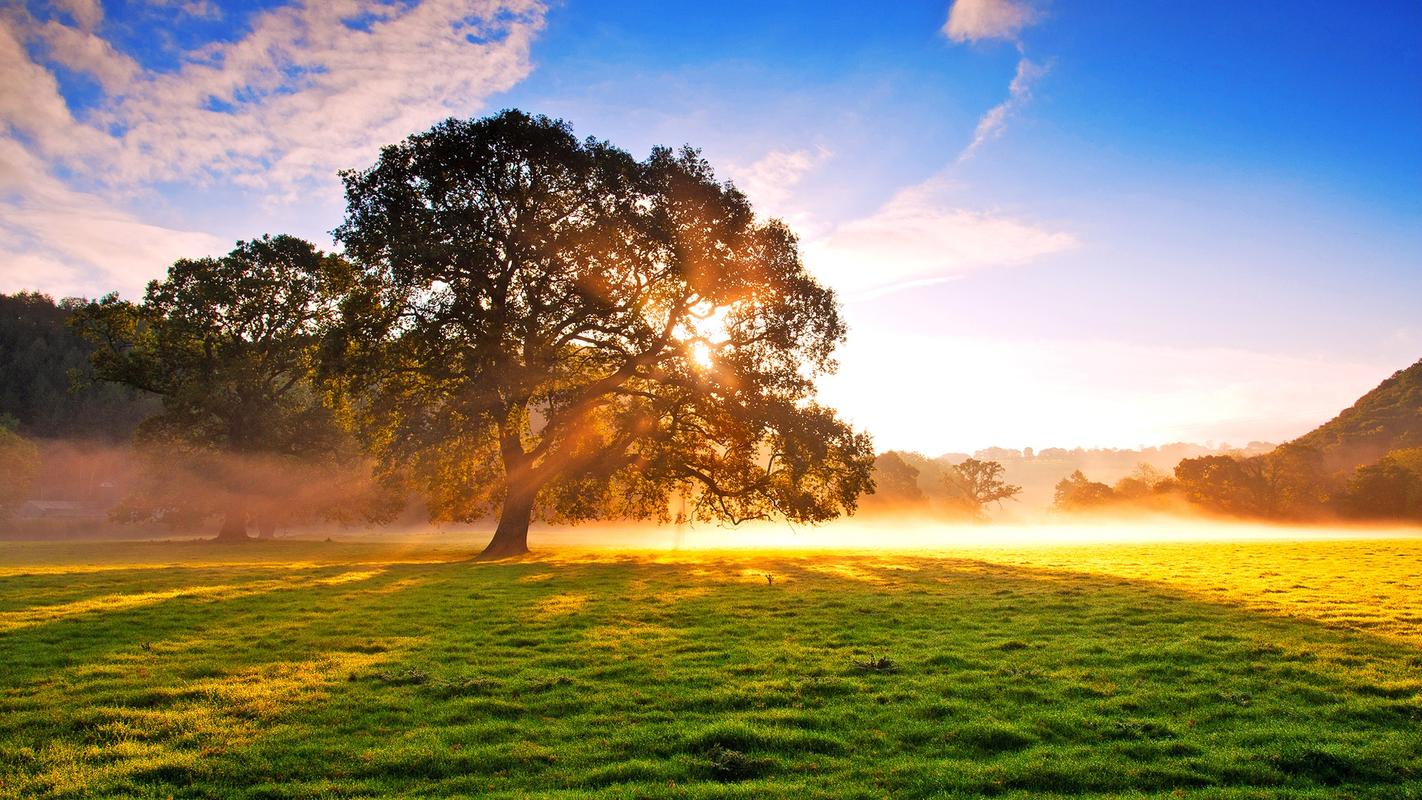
<point>1100,223</point>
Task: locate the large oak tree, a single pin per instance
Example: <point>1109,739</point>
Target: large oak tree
<point>551,327</point>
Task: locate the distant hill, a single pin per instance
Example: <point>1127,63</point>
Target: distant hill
<point>1387,418</point>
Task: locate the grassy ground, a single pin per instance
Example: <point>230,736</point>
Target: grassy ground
<point>293,669</point>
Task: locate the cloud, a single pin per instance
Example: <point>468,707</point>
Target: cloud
<point>974,20</point>
<point>991,125</point>
<point>918,238</point>
<point>64,242</point>
<point>311,88</point>
<point>202,9</point>
<point>770,181</point>
<point>87,14</point>
<point>84,51</point>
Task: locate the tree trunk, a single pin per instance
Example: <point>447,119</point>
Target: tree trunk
<point>234,525</point>
<point>511,537</point>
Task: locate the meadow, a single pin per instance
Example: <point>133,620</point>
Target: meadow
<point>360,669</point>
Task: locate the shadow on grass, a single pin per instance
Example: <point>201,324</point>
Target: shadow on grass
<point>629,676</point>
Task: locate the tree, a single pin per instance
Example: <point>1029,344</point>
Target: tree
<point>1389,489</point>
<point>1224,483</point>
<point>19,463</point>
<point>46,379</point>
<point>229,345</point>
<point>1077,493</point>
<point>1144,482</point>
<point>972,484</point>
<point>552,328</point>
<point>895,480</point>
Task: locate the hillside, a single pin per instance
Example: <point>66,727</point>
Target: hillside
<point>1386,418</point>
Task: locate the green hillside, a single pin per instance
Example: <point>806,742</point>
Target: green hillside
<point>1386,418</point>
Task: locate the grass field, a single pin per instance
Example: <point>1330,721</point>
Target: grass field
<point>317,669</point>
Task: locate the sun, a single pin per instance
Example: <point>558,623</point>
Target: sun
<point>704,332</point>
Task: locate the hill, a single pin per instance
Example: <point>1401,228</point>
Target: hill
<point>1386,418</point>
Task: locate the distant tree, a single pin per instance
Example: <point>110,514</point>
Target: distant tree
<point>1295,482</point>
<point>1224,484</point>
<point>895,480</point>
<point>550,327</point>
<point>46,381</point>
<point>229,345</point>
<point>1142,483</point>
<point>974,483</point>
<point>1389,489</point>
<point>19,462</point>
<point>1078,493</point>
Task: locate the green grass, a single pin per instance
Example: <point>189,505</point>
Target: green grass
<point>293,669</point>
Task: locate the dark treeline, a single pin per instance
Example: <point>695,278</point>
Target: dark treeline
<point>47,386</point>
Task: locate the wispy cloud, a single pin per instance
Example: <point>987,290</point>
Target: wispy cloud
<point>770,181</point>
<point>973,20</point>
<point>313,87</point>
<point>919,237</point>
<point>66,242</point>
<point>991,125</point>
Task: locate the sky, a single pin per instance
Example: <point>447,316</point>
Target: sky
<point>1097,224</point>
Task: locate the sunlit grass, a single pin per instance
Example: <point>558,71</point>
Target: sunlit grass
<point>333,670</point>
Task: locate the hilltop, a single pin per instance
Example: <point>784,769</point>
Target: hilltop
<point>1386,418</point>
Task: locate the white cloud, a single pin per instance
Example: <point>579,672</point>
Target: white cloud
<point>991,125</point>
<point>770,181</point>
<point>918,237</point>
<point>312,88</point>
<point>202,9</point>
<point>973,20</point>
<point>317,87</point>
<point>87,14</point>
<point>87,52</point>
<point>65,242</point>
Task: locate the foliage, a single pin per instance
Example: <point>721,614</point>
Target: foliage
<point>1389,489</point>
<point>1145,482</point>
<point>1195,670</point>
<point>972,484</point>
<point>895,481</point>
<point>229,345</point>
<point>19,462</point>
<point>1387,418</point>
<point>1078,493</point>
<point>553,327</point>
<point>46,381</point>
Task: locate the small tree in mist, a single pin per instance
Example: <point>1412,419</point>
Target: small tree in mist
<point>550,327</point>
<point>895,481</point>
<point>1076,492</point>
<point>972,484</point>
<point>229,346</point>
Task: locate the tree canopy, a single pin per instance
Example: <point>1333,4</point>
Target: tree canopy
<point>229,345</point>
<point>554,328</point>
